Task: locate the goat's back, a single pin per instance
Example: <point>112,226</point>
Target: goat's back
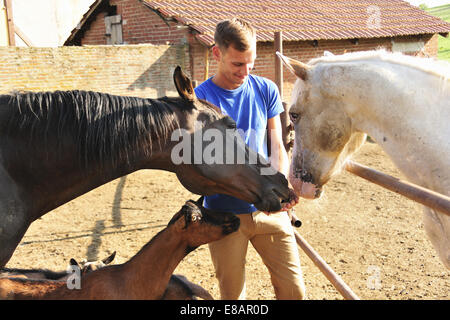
<point>22,289</point>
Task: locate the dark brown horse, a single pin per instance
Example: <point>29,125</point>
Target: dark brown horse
<point>56,146</point>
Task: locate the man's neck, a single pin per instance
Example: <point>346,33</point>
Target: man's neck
<point>223,83</point>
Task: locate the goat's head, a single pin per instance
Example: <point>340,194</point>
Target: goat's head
<point>199,225</point>
<point>89,266</point>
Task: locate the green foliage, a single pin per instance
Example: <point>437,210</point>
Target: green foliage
<point>442,12</point>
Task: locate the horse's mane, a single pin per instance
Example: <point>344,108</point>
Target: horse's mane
<point>439,68</point>
<point>105,127</point>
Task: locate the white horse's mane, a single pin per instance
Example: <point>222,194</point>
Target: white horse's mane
<point>437,67</point>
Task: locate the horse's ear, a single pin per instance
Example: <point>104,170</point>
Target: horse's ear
<point>298,68</point>
<point>183,85</point>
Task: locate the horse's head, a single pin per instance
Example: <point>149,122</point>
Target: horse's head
<point>198,225</point>
<point>324,136</point>
<point>210,156</point>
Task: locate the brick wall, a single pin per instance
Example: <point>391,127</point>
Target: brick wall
<point>134,70</point>
<point>140,25</point>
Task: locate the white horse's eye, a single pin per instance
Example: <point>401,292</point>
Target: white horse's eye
<point>294,116</point>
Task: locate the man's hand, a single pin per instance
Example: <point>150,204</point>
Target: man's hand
<point>293,200</point>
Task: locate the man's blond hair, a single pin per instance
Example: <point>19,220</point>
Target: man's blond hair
<point>235,32</point>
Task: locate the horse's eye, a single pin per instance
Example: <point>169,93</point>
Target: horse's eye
<point>294,116</point>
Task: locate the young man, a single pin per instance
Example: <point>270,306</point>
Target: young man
<point>254,103</point>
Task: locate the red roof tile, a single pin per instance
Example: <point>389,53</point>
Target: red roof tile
<point>306,19</point>
<point>298,19</point>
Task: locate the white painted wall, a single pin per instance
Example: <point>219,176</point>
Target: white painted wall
<point>47,23</point>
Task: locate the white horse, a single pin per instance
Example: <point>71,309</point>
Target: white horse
<point>402,102</point>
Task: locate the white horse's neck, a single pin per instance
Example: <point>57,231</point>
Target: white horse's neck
<point>407,111</point>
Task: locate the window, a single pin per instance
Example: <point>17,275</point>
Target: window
<point>113,26</point>
<point>407,46</point>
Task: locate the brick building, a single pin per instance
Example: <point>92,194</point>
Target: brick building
<point>309,27</point>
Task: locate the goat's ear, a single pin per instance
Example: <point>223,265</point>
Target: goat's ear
<point>109,259</point>
<point>183,85</point>
<point>199,201</point>
<point>298,68</point>
<point>74,262</point>
<point>176,217</point>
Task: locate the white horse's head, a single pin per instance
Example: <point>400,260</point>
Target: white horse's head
<point>324,136</point>
<point>334,101</point>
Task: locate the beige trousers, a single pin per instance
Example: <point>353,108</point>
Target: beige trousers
<point>273,238</point>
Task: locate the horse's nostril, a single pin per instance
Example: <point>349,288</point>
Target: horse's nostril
<point>307,177</point>
<point>318,193</point>
<point>284,198</point>
<point>303,175</point>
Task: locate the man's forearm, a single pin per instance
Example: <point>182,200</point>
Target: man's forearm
<point>279,160</point>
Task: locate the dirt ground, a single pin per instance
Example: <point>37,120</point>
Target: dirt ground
<point>374,239</point>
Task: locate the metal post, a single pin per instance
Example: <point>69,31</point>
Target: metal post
<point>332,276</point>
<point>414,192</point>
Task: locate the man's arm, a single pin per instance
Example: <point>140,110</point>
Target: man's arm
<point>278,155</point>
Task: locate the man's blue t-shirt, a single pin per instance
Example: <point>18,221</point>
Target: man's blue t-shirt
<point>250,105</point>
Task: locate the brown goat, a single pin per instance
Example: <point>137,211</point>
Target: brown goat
<point>45,274</point>
<point>180,288</point>
<point>147,274</point>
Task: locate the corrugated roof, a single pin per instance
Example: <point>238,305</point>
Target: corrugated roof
<point>299,19</point>
<point>306,19</point>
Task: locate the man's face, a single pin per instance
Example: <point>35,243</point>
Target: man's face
<point>234,66</point>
